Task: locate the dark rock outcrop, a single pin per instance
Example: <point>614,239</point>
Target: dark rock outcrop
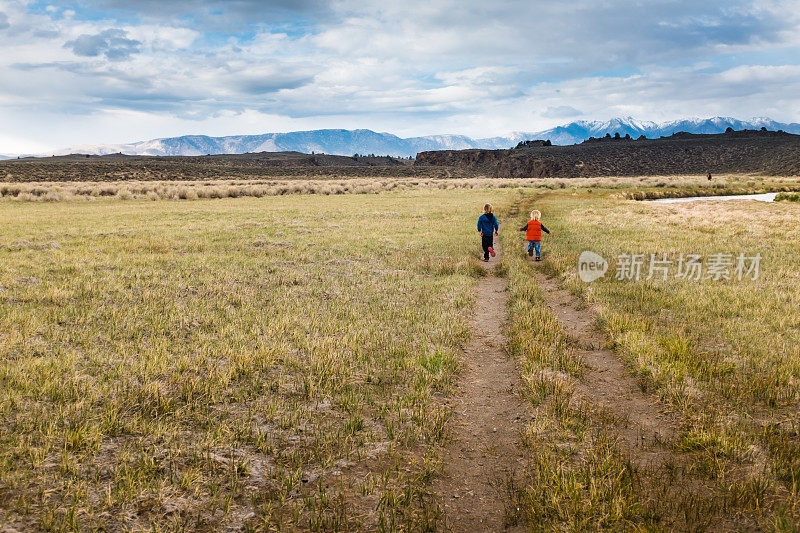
<point>531,144</point>
<point>768,152</point>
<point>113,167</point>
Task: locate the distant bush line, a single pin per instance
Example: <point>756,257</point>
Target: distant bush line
<point>634,188</point>
<point>714,190</point>
<point>178,190</point>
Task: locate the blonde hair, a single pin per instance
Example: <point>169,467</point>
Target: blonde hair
<point>487,208</point>
<point>536,215</point>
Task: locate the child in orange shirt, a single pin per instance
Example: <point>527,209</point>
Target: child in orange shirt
<point>533,233</point>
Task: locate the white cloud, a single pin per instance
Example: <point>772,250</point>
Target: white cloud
<point>560,111</point>
<point>164,38</point>
<point>414,68</point>
<point>762,74</point>
<point>112,43</point>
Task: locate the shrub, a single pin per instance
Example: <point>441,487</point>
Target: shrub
<point>53,196</point>
<point>788,197</point>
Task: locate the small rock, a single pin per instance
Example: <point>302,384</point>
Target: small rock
<point>310,478</point>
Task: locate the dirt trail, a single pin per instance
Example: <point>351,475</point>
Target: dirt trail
<point>488,412</point>
<point>488,416</point>
<point>645,424</point>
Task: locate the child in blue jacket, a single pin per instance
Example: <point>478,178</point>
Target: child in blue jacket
<point>488,227</point>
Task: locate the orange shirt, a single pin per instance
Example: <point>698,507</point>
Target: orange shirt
<point>534,231</point>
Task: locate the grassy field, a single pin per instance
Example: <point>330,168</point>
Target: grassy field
<point>275,362</point>
<point>722,354</point>
<point>282,360</point>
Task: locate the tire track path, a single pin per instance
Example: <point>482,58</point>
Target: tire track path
<point>646,425</point>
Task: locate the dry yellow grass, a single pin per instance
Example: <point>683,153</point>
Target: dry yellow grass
<point>254,362</point>
<point>267,361</point>
<point>653,186</point>
<point>193,190</point>
<point>722,354</point>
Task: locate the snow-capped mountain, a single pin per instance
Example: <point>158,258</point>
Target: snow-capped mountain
<point>349,142</point>
<point>579,131</point>
<point>336,142</point>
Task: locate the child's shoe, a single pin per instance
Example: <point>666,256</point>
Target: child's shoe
<point>538,258</point>
<point>491,252</point>
<point>485,260</point>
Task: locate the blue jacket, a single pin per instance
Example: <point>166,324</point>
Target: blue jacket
<point>487,224</point>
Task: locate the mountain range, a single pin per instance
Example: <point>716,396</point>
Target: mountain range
<point>349,142</point>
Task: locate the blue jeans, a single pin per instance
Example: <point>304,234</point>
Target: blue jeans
<point>535,245</point>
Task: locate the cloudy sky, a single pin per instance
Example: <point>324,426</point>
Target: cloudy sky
<point>109,71</point>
